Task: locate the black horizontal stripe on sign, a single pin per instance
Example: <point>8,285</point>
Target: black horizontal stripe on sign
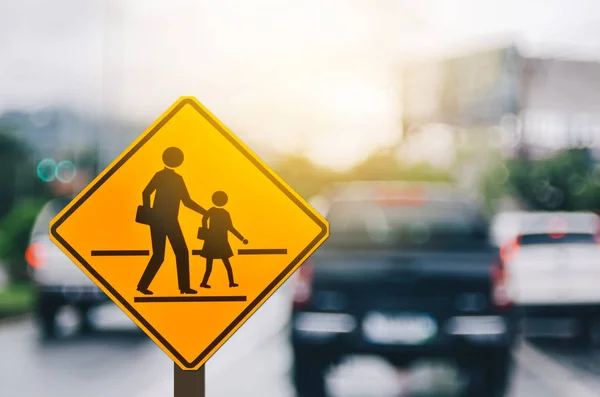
<point>266,251</point>
<point>120,253</point>
<point>234,298</point>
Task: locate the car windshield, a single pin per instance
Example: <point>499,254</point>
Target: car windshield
<point>569,238</point>
<point>48,212</point>
<point>434,223</point>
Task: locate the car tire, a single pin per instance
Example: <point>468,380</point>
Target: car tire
<point>86,326</point>
<point>46,318</point>
<point>490,375</point>
<point>583,338</point>
<point>309,374</point>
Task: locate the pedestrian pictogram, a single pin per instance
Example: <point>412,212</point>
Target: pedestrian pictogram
<point>189,232</point>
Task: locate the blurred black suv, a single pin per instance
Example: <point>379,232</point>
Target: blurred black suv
<point>407,273</point>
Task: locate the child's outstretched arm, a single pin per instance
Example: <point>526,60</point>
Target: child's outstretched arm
<point>236,233</point>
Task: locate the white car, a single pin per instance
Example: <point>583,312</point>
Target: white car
<point>59,283</point>
<point>552,267</point>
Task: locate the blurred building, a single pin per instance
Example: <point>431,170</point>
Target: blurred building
<point>560,104</point>
<point>62,134</point>
<point>474,89</point>
<point>49,132</point>
<point>538,105</point>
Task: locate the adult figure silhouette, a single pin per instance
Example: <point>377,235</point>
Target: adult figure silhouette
<point>217,223</point>
<point>170,192</point>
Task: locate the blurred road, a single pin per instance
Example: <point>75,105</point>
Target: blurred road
<point>120,361</point>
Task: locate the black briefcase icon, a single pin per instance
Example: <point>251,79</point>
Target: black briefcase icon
<point>202,233</point>
<point>144,215</point>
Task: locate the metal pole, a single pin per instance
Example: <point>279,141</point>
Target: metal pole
<point>189,383</point>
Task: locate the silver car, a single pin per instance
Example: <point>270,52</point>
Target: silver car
<point>59,283</point>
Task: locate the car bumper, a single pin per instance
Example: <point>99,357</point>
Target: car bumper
<point>459,336</point>
<point>87,294</point>
<point>562,310</point>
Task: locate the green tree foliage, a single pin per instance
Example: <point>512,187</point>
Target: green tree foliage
<point>11,154</point>
<point>493,186</point>
<point>88,160</point>
<point>309,179</point>
<point>15,229</point>
<point>304,176</point>
<point>384,165</point>
<point>21,196</point>
<point>567,181</point>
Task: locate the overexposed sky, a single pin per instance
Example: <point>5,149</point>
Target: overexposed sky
<point>312,75</point>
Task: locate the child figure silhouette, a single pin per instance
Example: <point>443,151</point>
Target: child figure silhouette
<point>217,225</point>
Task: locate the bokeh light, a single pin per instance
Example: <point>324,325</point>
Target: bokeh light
<point>46,170</point>
<point>65,171</point>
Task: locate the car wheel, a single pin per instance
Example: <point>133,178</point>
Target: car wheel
<point>583,337</point>
<point>308,374</point>
<point>86,326</point>
<point>46,316</point>
<point>490,375</point>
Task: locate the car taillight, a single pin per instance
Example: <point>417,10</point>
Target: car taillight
<point>500,296</point>
<point>35,255</point>
<point>510,250</point>
<point>303,286</point>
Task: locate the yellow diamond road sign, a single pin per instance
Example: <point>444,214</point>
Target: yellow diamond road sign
<point>189,232</point>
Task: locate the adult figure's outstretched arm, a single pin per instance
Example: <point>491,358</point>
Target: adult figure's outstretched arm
<point>191,204</point>
<point>148,191</point>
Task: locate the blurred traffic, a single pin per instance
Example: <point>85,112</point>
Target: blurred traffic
<point>458,167</point>
<point>407,274</point>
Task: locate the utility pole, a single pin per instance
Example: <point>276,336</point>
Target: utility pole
<point>189,383</point>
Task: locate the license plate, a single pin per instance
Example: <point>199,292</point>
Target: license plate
<point>399,329</point>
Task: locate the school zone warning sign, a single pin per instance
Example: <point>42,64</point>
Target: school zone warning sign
<point>189,232</point>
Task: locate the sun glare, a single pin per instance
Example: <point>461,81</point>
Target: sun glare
<point>362,116</point>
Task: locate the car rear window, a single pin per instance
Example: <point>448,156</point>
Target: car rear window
<point>372,224</point>
<point>569,238</point>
